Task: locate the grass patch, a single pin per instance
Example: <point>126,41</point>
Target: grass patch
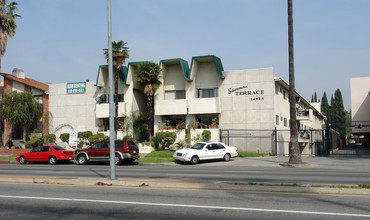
<point>250,154</point>
<point>155,160</point>
<point>364,186</point>
<point>8,158</point>
<point>160,153</point>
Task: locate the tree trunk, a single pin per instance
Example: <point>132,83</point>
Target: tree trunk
<point>294,151</point>
<point>150,114</point>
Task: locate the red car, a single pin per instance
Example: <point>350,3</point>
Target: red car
<point>47,153</point>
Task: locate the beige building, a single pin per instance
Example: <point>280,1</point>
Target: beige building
<point>245,108</point>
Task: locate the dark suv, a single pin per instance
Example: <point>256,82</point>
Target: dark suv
<point>125,151</point>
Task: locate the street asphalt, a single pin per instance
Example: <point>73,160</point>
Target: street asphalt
<point>343,162</point>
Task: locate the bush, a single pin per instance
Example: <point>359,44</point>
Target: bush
<point>97,137</point>
<point>10,144</point>
<point>37,130</point>
<point>165,139</point>
<point>51,138</point>
<point>64,137</point>
<point>155,141</point>
<point>84,134</point>
<point>206,135</point>
<point>129,138</point>
<point>35,142</point>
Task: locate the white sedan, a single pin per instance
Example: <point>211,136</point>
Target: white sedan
<point>205,151</point>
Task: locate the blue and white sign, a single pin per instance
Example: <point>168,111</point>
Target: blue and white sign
<point>76,88</point>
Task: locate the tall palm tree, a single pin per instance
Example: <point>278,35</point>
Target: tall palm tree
<point>119,55</point>
<point>7,24</point>
<point>294,151</point>
<point>148,75</point>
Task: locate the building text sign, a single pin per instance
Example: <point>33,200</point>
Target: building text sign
<point>76,88</point>
<point>244,91</point>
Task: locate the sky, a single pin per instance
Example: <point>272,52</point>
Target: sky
<point>62,41</point>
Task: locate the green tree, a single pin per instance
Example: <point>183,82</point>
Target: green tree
<point>339,114</point>
<point>325,106</point>
<point>7,24</point>
<point>294,150</point>
<point>20,109</point>
<point>119,55</point>
<point>148,75</point>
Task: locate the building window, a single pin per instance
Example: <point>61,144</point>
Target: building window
<point>175,94</point>
<point>285,122</point>
<point>172,121</point>
<point>277,90</point>
<point>204,121</point>
<point>207,93</point>
<point>284,94</point>
<point>105,98</point>
<point>277,119</point>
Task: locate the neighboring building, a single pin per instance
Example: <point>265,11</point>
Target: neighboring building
<point>18,82</point>
<point>360,108</point>
<point>203,96</point>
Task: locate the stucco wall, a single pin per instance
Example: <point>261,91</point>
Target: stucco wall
<point>76,110</point>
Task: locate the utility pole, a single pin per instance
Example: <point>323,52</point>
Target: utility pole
<point>111,97</point>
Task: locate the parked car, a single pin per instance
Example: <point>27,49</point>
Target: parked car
<point>47,153</point>
<point>124,151</point>
<point>205,151</point>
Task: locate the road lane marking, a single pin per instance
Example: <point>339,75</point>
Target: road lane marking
<point>187,206</point>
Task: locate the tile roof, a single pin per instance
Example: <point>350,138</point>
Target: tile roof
<point>27,81</point>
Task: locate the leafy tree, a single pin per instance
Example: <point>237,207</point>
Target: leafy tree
<point>50,138</point>
<point>294,150</point>
<point>148,75</point>
<point>20,109</point>
<point>339,114</point>
<point>7,24</point>
<point>119,55</point>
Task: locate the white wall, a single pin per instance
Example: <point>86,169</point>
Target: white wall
<point>77,110</point>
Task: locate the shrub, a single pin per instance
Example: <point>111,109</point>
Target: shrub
<point>35,142</point>
<point>206,135</point>
<point>50,138</point>
<point>165,139</point>
<point>129,138</point>
<point>84,134</point>
<point>97,137</point>
<point>197,138</point>
<point>37,130</point>
<point>10,144</point>
<point>155,141</point>
<point>64,137</point>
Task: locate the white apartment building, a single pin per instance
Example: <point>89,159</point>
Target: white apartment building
<point>248,103</point>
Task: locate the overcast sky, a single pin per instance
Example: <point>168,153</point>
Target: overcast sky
<point>62,40</point>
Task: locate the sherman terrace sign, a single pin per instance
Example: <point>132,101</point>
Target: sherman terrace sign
<point>76,88</point>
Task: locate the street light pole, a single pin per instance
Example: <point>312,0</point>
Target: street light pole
<point>111,97</point>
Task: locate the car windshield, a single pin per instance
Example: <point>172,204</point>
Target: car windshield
<point>198,146</point>
<point>58,148</point>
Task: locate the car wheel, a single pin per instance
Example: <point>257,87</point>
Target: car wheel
<point>117,159</point>
<point>227,157</point>
<point>52,160</point>
<point>82,160</point>
<point>22,160</point>
<point>194,160</point>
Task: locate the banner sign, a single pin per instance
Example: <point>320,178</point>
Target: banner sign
<point>76,88</point>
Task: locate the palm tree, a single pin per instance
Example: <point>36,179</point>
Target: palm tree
<point>7,24</point>
<point>148,75</point>
<point>294,151</point>
<point>119,55</point>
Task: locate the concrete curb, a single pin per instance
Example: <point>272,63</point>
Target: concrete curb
<point>184,184</point>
